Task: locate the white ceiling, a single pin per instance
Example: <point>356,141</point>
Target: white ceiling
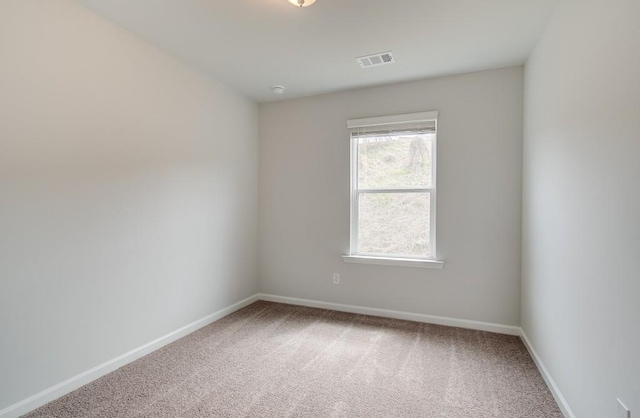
<point>254,44</point>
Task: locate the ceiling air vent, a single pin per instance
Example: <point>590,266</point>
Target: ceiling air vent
<point>376,59</point>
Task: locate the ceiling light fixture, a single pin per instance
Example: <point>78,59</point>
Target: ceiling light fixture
<point>302,3</point>
<point>279,90</point>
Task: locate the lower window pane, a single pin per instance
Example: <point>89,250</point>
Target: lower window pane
<point>394,224</point>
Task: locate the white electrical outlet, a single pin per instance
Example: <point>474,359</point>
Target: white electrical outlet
<point>336,278</point>
<point>623,411</point>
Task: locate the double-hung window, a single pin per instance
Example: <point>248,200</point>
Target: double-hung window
<point>393,190</point>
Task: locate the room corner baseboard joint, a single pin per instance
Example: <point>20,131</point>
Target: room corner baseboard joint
<point>551,384</point>
<point>75,382</point>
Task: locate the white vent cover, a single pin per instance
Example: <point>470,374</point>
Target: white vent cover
<point>376,59</point>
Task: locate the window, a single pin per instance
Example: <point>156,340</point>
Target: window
<point>393,190</point>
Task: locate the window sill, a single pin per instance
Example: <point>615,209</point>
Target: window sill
<point>386,261</point>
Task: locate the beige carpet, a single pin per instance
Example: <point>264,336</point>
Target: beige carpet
<point>274,360</point>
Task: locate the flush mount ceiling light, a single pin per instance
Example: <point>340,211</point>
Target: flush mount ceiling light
<point>302,3</point>
<point>279,90</point>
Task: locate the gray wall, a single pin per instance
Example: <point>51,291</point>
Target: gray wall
<point>581,234</point>
<point>128,194</point>
<point>304,198</point>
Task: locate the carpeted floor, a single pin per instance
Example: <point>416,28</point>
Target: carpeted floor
<point>274,360</point>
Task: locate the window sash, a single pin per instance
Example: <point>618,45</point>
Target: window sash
<point>431,192</point>
<point>397,190</point>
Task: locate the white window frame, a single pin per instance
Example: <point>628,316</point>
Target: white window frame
<point>388,259</point>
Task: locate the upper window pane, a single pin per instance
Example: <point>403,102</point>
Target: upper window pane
<point>394,161</point>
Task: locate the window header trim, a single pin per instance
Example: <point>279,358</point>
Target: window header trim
<point>393,120</point>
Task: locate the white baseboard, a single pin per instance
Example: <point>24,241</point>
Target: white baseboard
<point>386,313</point>
<point>555,391</point>
<point>439,320</point>
<point>69,385</point>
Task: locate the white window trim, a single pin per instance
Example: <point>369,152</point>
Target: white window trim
<point>394,261</point>
<point>385,259</point>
